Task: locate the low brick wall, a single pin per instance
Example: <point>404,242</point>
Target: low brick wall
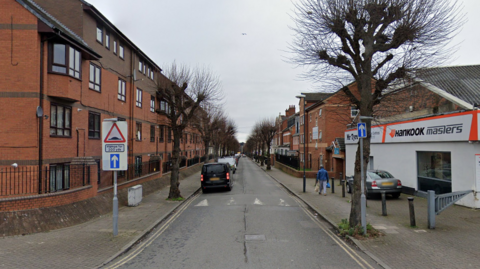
<point>295,173</point>
<point>56,217</point>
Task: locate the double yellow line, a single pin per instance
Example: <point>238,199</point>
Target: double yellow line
<point>153,236</point>
<point>353,254</point>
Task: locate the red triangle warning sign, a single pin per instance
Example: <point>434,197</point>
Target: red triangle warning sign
<point>114,135</point>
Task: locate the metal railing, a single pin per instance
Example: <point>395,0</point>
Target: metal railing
<point>437,203</point>
<point>28,180</point>
<point>290,161</point>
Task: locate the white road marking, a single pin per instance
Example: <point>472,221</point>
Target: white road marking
<point>282,203</point>
<point>231,202</point>
<point>257,202</point>
<point>203,203</point>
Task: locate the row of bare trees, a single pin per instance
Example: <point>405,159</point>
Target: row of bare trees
<point>193,99</point>
<point>260,140</point>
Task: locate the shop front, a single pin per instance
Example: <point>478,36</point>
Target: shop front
<point>440,153</point>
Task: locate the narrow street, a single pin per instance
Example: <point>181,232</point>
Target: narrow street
<point>256,225</point>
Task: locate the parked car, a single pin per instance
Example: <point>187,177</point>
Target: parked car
<point>378,181</point>
<point>216,175</point>
<point>230,160</point>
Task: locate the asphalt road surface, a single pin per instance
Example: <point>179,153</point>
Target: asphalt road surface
<point>256,225</point>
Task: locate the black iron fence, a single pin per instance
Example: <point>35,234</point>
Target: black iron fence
<point>291,161</point>
<point>142,169</point>
<point>29,180</point>
<point>193,161</point>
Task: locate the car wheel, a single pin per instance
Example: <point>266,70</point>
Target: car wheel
<point>396,195</point>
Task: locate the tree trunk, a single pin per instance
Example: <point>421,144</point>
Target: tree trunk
<point>174,182</point>
<point>269,166</point>
<point>366,109</point>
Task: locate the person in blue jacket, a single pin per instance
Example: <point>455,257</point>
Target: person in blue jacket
<point>322,178</point>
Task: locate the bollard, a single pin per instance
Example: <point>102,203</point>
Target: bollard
<point>333,185</point>
<point>412,212</point>
<point>384,204</point>
<point>343,187</point>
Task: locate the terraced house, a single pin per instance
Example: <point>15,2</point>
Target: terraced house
<point>64,69</point>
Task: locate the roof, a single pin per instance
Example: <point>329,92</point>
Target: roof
<point>316,96</point>
<point>57,27</point>
<point>462,82</point>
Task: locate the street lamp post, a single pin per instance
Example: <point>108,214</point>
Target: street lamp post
<point>304,140</point>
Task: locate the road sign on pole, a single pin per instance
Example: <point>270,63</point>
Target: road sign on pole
<point>114,145</point>
<point>362,129</point>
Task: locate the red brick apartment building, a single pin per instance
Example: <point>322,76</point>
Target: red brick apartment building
<point>324,118</point>
<point>64,69</point>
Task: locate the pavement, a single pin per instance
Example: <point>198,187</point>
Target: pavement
<point>453,244</point>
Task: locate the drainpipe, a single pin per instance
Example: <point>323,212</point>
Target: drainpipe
<point>40,127</point>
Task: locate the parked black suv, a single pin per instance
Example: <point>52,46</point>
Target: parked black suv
<point>216,175</point>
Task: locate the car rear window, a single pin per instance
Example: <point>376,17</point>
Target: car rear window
<point>380,174</point>
<point>214,168</point>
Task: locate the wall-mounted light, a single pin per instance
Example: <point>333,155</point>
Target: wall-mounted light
<point>46,117</point>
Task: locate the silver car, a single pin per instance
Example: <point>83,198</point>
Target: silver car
<point>378,181</point>
<point>231,161</point>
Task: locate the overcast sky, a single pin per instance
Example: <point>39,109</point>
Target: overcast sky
<point>244,42</point>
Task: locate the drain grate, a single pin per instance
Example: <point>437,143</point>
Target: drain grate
<point>254,237</point>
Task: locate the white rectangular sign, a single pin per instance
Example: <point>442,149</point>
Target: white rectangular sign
<point>351,137</point>
<point>114,146</point>
<point>446,128</point>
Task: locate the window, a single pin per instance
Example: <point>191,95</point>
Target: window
<point>60,61</point>
<point>169,135</point>
<point>152,104</point>
<point>99,34</point>
<point>354,111</point>
<point>75,62</point>
<point>320,112</point>
<point>139,98</point>
<point>107,40</point>
<point>59,177</point>
<point>151,74</point>
<point>138,166</point>
<point>93,125</point>
<point>152,133</point>
<point>145,69</point>
<point>138,131</point>
<point>121,90</point>
<point>60,117</point>
<point>434,171</point>
<point>115,47</point>
<point>320,135</point>
<point>95,77</point>
<point>121,52</point>
<point>148,72</point>
<point>161,132</point>
<point>140,66</point>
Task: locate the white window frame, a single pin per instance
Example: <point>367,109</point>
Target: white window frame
<point>138,99</point>
<point>95,78</point>
<point>152,103</point>
<point>121,90</point>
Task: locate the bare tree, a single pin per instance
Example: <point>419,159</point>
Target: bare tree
<point>207,122</point>
<point>182,95</point>
<point>374,43</point>
<point>266,132</point>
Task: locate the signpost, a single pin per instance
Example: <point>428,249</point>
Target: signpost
<point>362,133</point>
<point>114,156</point>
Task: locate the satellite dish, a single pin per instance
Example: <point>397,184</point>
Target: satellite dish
<point>39,112</point>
